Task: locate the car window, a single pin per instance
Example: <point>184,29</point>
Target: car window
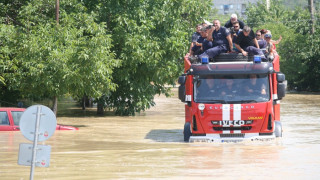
<point>16,117</point>
<point>4,120</point>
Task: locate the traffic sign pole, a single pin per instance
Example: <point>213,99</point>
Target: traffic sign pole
<point>35,142</point>
<point>37,123</point>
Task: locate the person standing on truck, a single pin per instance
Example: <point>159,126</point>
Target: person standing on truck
<point>233,19</point>
<point>247,43</point>
<point>221,40</point>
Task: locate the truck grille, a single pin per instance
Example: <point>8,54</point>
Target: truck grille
<point>242,128</point>
<point>231,135</point>
<point>265,134</point>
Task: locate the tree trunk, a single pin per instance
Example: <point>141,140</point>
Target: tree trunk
<point>90,102</point>
<point>55,105</point>
<point>100,110</point>
<point>57,10</point>
<point>83,103</point>
<point>268,4</point>
<point>311,9</point>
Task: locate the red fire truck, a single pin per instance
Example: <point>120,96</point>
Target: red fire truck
<point>232,99</point>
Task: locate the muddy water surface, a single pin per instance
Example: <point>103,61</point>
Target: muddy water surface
<point>150,146</point>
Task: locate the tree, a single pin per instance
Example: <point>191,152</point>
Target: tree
<point>73,58</point>
<point>299,50</point>
<point>258,14</point>
<point>150,37</point>
<point>7,65</point>
<point>124,52</point>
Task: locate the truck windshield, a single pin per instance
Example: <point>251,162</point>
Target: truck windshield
<point>227,89</point>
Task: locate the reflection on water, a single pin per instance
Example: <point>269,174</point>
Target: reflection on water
<point>150,145</point>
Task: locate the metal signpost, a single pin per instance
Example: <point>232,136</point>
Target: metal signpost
<point>37,123</point>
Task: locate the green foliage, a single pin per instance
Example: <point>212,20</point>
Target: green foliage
<point>298,49</point>
<point>52,60</point>
<point>124,52</point>
<point>7,65</point>
<point>257,14</point>
<point>7,50</point>
<point>151,37</point>
<point>9,10</point>
<point>304,63</point>
<point>2,80</point>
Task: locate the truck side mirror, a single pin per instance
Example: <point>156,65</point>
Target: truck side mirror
<point>182,93</point>
<point>182,79</point>
<point>281,90</point>
<point>182,87</point>
<point>281,77</point>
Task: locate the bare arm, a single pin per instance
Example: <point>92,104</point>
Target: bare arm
<point>277,41</point>
<point>230,42</point>
<point>209,37</point>
<point>271,48</point>
<point>190,48</point>
<point>241,50</point>
<point>198,44</point>
<point>256,43</point>
<point>263,89</point>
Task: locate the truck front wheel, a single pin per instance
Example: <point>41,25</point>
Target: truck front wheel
<point>187,131</point>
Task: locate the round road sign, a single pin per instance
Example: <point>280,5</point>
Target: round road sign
<point>47,124</point>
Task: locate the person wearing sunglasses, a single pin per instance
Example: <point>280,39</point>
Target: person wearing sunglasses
<point>262,42</point>
<point>270,47</point>
<point>235,30</point>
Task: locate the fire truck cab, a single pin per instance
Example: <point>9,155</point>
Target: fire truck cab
<point>232,100</point>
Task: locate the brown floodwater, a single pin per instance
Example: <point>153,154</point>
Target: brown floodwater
<point>150,146</point>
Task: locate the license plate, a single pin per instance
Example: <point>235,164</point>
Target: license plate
<point>234,123</point>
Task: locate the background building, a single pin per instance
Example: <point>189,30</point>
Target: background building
<point>232,6</point>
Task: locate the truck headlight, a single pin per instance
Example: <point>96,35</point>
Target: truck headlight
<point>201,107</point>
